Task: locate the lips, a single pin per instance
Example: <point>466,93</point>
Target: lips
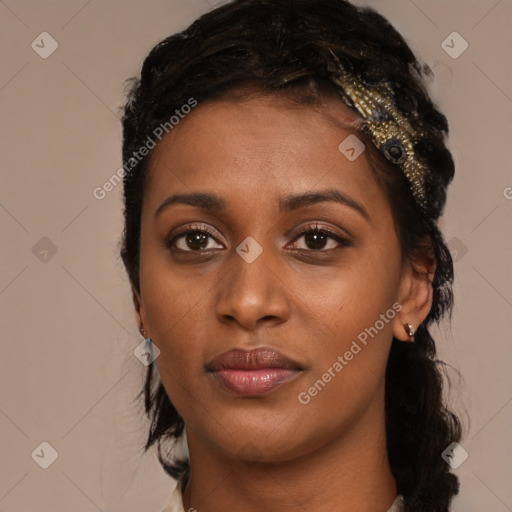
<point>253,372</point>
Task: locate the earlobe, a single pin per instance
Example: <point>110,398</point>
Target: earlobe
<point>140,313</point>
<point>416,292</point>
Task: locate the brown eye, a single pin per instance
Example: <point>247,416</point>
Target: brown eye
<point>315,239</point>
<point>196,240</point>
<point>192,240</point>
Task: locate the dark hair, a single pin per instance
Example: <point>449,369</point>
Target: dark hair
<point>272,47</point>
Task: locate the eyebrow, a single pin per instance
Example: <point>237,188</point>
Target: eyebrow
<point>287,203</point>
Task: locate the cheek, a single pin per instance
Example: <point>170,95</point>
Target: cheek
<point>176,313</point>
<point>178,329</point>
<point>351,297</point>
<point>169,292</point>
<point>348,363</point>
<point>173,306</point>
<point>352,316</point>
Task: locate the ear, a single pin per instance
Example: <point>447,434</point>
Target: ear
<point>415,294</point>
<point>140,311</point>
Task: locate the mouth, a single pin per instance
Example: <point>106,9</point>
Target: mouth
<point>253,372</point>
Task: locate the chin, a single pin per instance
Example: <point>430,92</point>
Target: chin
<point>255,445</point>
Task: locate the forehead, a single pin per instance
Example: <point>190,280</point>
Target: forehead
<point>251,152</point>
<point>276,138</point>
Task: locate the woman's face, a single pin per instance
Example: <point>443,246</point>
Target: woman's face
<point>323,308</point>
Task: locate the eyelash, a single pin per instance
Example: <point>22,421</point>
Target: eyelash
<point>311,229</point>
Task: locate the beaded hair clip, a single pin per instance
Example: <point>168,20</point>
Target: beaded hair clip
<point>387,127</point>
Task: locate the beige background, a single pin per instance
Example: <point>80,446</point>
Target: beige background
<point>69,375</point>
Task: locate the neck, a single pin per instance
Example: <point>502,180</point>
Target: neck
<point>350,472</point>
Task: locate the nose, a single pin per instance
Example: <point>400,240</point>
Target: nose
<point>252,294</point>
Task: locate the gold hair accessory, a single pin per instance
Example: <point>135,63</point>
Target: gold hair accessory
<point>389,130</point>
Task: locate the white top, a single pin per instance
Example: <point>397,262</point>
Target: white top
<point>175,503</point>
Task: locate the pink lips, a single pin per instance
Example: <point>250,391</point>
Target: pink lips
<point>254,372</point>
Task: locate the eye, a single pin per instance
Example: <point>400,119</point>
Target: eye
<point>198,239</point>
<point>193,240</point>
<point>316,239</point>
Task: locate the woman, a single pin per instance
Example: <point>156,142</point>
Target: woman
<point>285,171</point>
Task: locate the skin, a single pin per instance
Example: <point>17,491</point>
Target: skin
<point>273,453</point>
